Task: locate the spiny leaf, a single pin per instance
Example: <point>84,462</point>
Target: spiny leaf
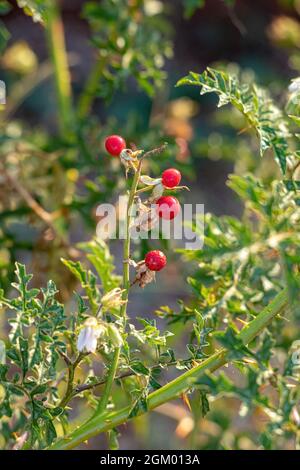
<point>255,104</point>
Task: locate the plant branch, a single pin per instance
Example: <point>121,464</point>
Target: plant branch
<point>57,49</point>
<point>71,372</point>
<point>102,404</point>
<point>177,386</point>
<point>88,95</point>
<point>155,151</point>
<point>126,285</point>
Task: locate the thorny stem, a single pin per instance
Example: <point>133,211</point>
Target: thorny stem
<point>129,373</point>
<point>126,280</point>
<point>176,387</point>
<point>126,247</point>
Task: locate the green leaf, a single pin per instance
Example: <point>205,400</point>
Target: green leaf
<point>140,406</point>
<point>4,36</point>
<point>5,7</point>
<point>190,6</point>
<point>99,255</point>
<point>253,102</point>
<point>230,341</point>
<point>204,404</point>
<point>87,280</point>
<point>139,368</point>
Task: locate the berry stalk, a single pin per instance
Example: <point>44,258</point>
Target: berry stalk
<point>126,285</point>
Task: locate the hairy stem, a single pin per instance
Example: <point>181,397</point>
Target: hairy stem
<point>126,247</point>
<point>176,387</point>
<point>126,285</point>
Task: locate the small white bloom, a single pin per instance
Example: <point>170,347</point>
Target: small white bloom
<point>295,85</point>
<point>89,335</point>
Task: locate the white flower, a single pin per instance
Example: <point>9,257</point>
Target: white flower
<point>295,85</point>
<point>89,335</point>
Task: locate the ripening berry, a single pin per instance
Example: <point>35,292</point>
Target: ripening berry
<point>114,144</point>
<point>171,178</point>
<point>155,260</point>
<point>167,207</point>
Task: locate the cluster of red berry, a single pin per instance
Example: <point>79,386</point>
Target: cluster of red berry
<point>167,207</point>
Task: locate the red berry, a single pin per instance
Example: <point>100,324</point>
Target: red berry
<point>114,144</point>
<point>171,178</point>
<point>155,260</point>
<point>167,207</point>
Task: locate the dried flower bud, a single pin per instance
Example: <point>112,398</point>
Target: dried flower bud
<point>143,275</point>
<point>114,335</point>
<point>113,299</point>
<point>146,218</point>
<point>129,159</point>
<point>89,335</point>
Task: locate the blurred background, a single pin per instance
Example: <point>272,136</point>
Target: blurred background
<point>124,61</point>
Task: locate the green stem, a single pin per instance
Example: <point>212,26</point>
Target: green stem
<point>57,49</point>
<point>71,372</point>
<point>86,99</point>
<point>126,247</point>
<point>177,386</point>
<point>126,285</point>
<point>109,383</point>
